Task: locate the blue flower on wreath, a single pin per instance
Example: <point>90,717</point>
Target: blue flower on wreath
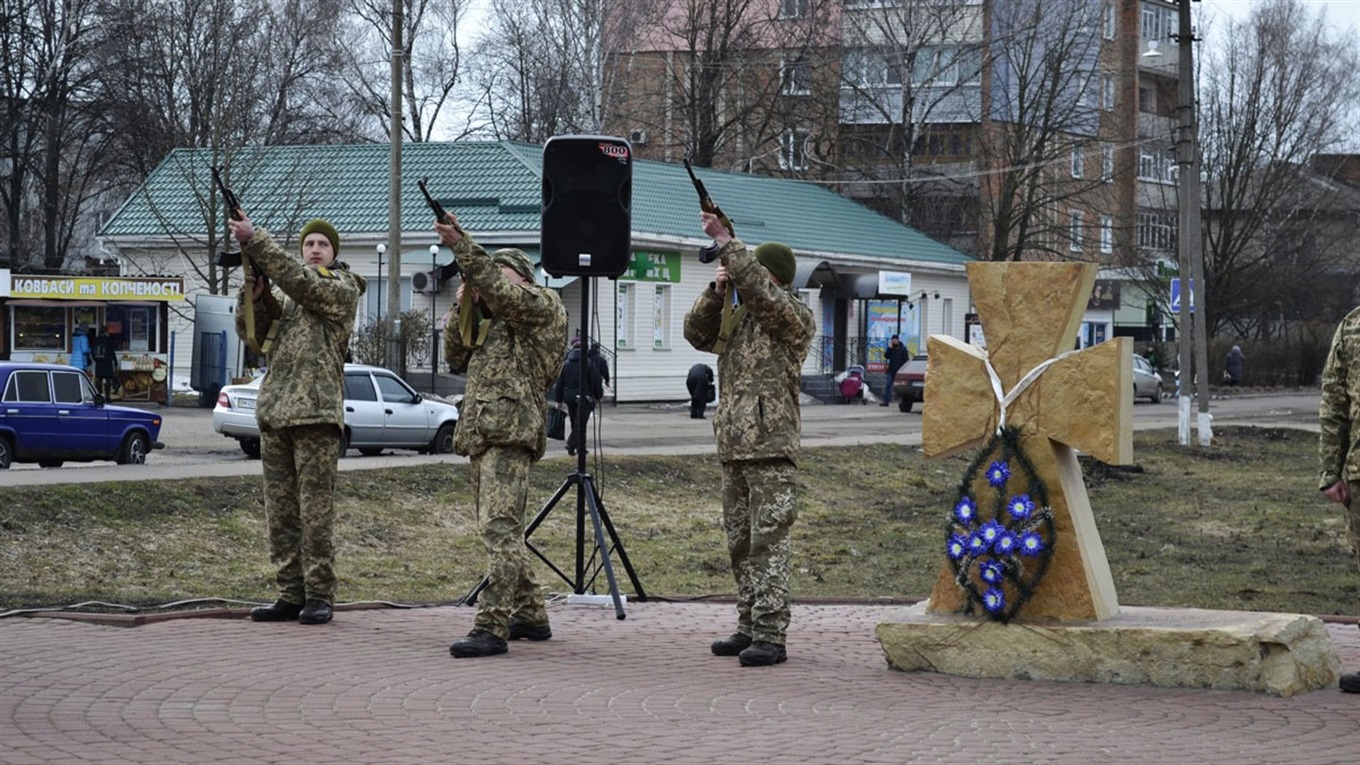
<point>958,546</point>
<point>1005,543</point>
<point>976,544</point>
<point>992,572</point>
<point>1031,544</point>
<point>990,531</point>
<point>998,473</point>
<point>994,600</point>
<point>1021,507</point>
<point>966,511</point>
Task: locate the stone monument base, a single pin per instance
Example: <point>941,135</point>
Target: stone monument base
<point>1279,654</point>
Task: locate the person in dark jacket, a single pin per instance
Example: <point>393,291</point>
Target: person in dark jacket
<point>579,403</point>
<point>895,355</point>
<point>601,363</point>
<point>1232,366</point>
<point>104,351</point>
<point>699,382</point>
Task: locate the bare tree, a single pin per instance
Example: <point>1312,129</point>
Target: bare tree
<point>431,62</point>
<point>1039,124</point>
<point>911,94</point>
<point>1275,245</point>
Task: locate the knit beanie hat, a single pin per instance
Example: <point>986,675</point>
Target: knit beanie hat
<point>778,259</point>
<point>516,259</point>
<point>319,226</point>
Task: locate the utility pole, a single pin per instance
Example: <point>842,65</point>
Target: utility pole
<point>394,198</point>
<point>1194,372</point>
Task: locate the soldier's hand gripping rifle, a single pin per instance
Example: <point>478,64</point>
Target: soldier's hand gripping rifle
<point>707,204</point>
<point>239,258</point>
<point>469,316</point>
<point>733,311</point>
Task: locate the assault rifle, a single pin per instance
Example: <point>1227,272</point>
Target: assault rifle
<point>238,258</point>
<point>707,204</point>
<point>470,326</point>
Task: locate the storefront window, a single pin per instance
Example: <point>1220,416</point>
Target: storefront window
<point>133,327</point>
<point>39,328</point>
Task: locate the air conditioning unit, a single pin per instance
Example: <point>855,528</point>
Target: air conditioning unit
<point>425,282</point>
<point>638,137</point>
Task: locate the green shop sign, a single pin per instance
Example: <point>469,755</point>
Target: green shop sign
<point>648,266</point>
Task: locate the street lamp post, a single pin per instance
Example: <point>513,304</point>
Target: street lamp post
<point>382,248</point>
<point>434,331</point>
<point>1190,245</point>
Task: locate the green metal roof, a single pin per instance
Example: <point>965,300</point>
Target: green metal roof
<point>496,186</point>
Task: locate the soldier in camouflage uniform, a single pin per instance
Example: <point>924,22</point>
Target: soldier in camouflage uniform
<point>511,356</point>
<point>761,346</point>
<point>307,319</point>
<point>1339,440</point>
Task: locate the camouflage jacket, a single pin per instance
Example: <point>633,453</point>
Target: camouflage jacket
<point>1339,409</point>
<point>310,312</point>
<point>509,375</point>
<point>760,369</point>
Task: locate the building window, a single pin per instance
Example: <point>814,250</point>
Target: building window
<point>623,315</point>
<point>1156,231</point>
<point>947,65</point>
<point>661,317</point>
<point>1147,99</point>
<point>1078,162</point>
<point>1107,164</point>
<point>793,9</point>
<point>793,151</point>
<point>873,68</point>
<point>1106,234</point>
<point>795,74</point>
<point>1158,22</point>
<point>39,329</point>
<point>1110,21</point>
<point>1074,232</point>
<point>1107,92</point>
<point>1156,167</point>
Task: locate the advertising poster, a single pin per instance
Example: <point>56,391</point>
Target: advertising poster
<point>885,318</point>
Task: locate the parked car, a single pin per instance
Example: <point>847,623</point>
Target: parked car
<point>909,384</point>
<point>381,412</point>
<point>1147,383</point>
<point>51,414</point>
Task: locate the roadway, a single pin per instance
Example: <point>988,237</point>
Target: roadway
<point>193,450</point>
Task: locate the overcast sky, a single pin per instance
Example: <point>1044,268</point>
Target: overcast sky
<point>1343,14</point>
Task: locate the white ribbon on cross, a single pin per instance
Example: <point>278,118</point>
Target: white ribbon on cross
<point>1004,400</point>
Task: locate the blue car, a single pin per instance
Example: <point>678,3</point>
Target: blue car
<point>50,414</point>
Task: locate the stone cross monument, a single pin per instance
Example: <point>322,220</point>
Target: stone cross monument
<point>1082,400</point>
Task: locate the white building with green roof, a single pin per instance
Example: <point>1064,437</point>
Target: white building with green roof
<point>865,275</point>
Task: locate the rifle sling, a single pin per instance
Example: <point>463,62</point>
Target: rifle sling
<point>731,317</point>
<point>251,342</point>
<point>470,325</point>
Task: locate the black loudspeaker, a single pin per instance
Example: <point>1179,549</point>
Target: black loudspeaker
<point>587,195</point>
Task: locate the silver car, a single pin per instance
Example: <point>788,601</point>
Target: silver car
<point>381,412</point>
<point>1146,382</point>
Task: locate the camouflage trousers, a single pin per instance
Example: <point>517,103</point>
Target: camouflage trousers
<point>299,500</point>
<point>1353,519</point>
<point>500,483</point>
<point>759,509</point>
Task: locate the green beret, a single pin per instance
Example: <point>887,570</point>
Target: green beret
<point>516,259</point>
<point>778,259</point>
<point>319,226</point>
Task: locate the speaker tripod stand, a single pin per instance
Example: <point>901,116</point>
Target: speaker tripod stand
<point>587,502</point>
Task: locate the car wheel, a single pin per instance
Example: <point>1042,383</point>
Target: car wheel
<point>1157,397</point>
<point>903,405</point>
<point>251,447</point>
<point>49,463</point>
<point>443,439</point>
<point>6,455</point>
<point>134,449</point>
<point>370,451</point>
<point>344,442</point>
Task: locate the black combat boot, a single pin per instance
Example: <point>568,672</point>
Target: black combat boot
<point>281,611</point>
<point>528,631</point>
<point>315,612</point>
<point>479,642</point>
<point>762,654</point>
<point>731,646</point>
<point>1350,683</point>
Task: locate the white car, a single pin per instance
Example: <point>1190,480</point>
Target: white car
<point>1146,382</point>
<point>381,412</point>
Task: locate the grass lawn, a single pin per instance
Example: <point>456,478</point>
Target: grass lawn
<point>1239,525</point>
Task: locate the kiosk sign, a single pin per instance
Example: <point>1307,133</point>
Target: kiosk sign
<point>154,290</point>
